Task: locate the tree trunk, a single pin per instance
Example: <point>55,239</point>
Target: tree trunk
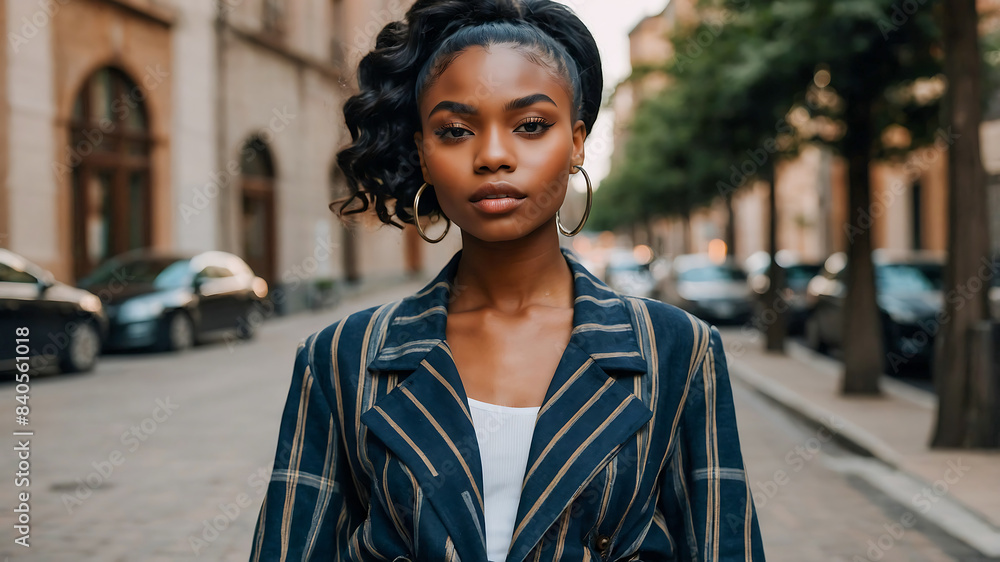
<point>774,310</point>
<point>730,235</point>
<point>861,331</point>
<point>686,239</point>
<point>968,231</point>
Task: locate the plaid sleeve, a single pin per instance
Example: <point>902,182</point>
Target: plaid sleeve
<point>303,511</point>
<point>720,520</point>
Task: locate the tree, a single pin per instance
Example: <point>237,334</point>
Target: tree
<point>851,67</point>
<point>968,230</point>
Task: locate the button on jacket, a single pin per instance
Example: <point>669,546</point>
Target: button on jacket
<point>635,453</point>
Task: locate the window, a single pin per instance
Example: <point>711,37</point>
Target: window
<point>110,146</point>
<point>258,228</point>
<point>10,275</point>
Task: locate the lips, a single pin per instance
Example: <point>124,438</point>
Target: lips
<point>496,190</point>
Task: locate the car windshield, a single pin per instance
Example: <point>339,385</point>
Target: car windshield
<point>934,272</point>
<point>798,276</point>
<point>162,273</point>
<point>903,278</point>
<point>711,273</point>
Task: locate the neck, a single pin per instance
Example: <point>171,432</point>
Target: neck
<point>511,275</point>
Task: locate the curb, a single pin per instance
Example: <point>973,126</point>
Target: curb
<point>884,467</point>
<point>848,434</point>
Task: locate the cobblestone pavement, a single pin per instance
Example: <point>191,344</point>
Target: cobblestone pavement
<point>812,509</point>
<point>145,458</point>
<point>161,457</point>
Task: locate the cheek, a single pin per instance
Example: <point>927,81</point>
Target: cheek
<point>446,164</point>
<point>554,151</point>
<point>549,155</point>
<point>553,156</point>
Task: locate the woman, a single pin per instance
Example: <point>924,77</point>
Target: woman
<point>515,408</point>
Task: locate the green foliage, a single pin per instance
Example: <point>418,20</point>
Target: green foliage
<point>745,67</point>
<point>989,44</point>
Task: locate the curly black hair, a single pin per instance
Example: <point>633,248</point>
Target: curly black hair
<point>381,164</point>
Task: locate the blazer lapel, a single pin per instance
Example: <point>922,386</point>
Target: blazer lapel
<point>586,416</point>
<point>425,421</point>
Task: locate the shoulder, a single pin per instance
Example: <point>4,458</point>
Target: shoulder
<point>345,339</point>
<point>675,334</point>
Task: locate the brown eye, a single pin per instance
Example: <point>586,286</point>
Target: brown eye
<point>452,133</point>
<point>533,127</point>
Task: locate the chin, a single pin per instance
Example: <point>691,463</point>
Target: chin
<point>513,228</point>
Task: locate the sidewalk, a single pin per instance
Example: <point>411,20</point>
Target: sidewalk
<point>957,490</point>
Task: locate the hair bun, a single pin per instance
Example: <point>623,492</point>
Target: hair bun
<point>381,165</point>
<point>564,26</point>
<point>441,18</point>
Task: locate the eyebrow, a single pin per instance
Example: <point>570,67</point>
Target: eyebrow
<point>466,109</point>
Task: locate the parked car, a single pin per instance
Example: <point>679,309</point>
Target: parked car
<point>908,294</point>
<point>65,324</point>
<point>798,273</point>
<point>627,275</point>
<point>170,301</point>
<point>714,291</point>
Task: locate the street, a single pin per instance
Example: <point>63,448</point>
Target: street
<point>157,457</point>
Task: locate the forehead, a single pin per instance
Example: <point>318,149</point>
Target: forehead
<point>481,77</point>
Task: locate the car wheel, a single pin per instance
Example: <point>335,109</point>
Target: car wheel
<point>177,333</point>
<point>813,336</point>
<point>81,353</point>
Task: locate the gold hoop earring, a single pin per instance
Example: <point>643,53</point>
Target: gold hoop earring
<point>416,219</point>
<point>586,212</point>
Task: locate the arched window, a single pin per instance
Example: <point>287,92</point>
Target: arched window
<point>110,158</point>
<point>257,178</point>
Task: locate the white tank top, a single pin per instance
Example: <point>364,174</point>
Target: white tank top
<point>504,435</point>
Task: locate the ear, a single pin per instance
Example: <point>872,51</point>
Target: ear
<point>579,136</point>
<point>418,138</point>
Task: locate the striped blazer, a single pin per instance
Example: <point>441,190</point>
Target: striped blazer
<point>635,453</point>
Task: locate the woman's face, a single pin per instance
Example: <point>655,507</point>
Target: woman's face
<point>496,120</point>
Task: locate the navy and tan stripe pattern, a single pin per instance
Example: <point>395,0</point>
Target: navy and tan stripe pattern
<point>636,441</point>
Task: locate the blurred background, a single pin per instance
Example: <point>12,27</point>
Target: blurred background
<point>821,180</point>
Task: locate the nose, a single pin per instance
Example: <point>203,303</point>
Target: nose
<point>495,151</point>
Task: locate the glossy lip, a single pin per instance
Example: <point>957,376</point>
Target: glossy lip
<point>496,188</point>
<point>498,205</point>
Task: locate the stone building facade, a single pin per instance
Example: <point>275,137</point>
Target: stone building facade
<point>191,125</point>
